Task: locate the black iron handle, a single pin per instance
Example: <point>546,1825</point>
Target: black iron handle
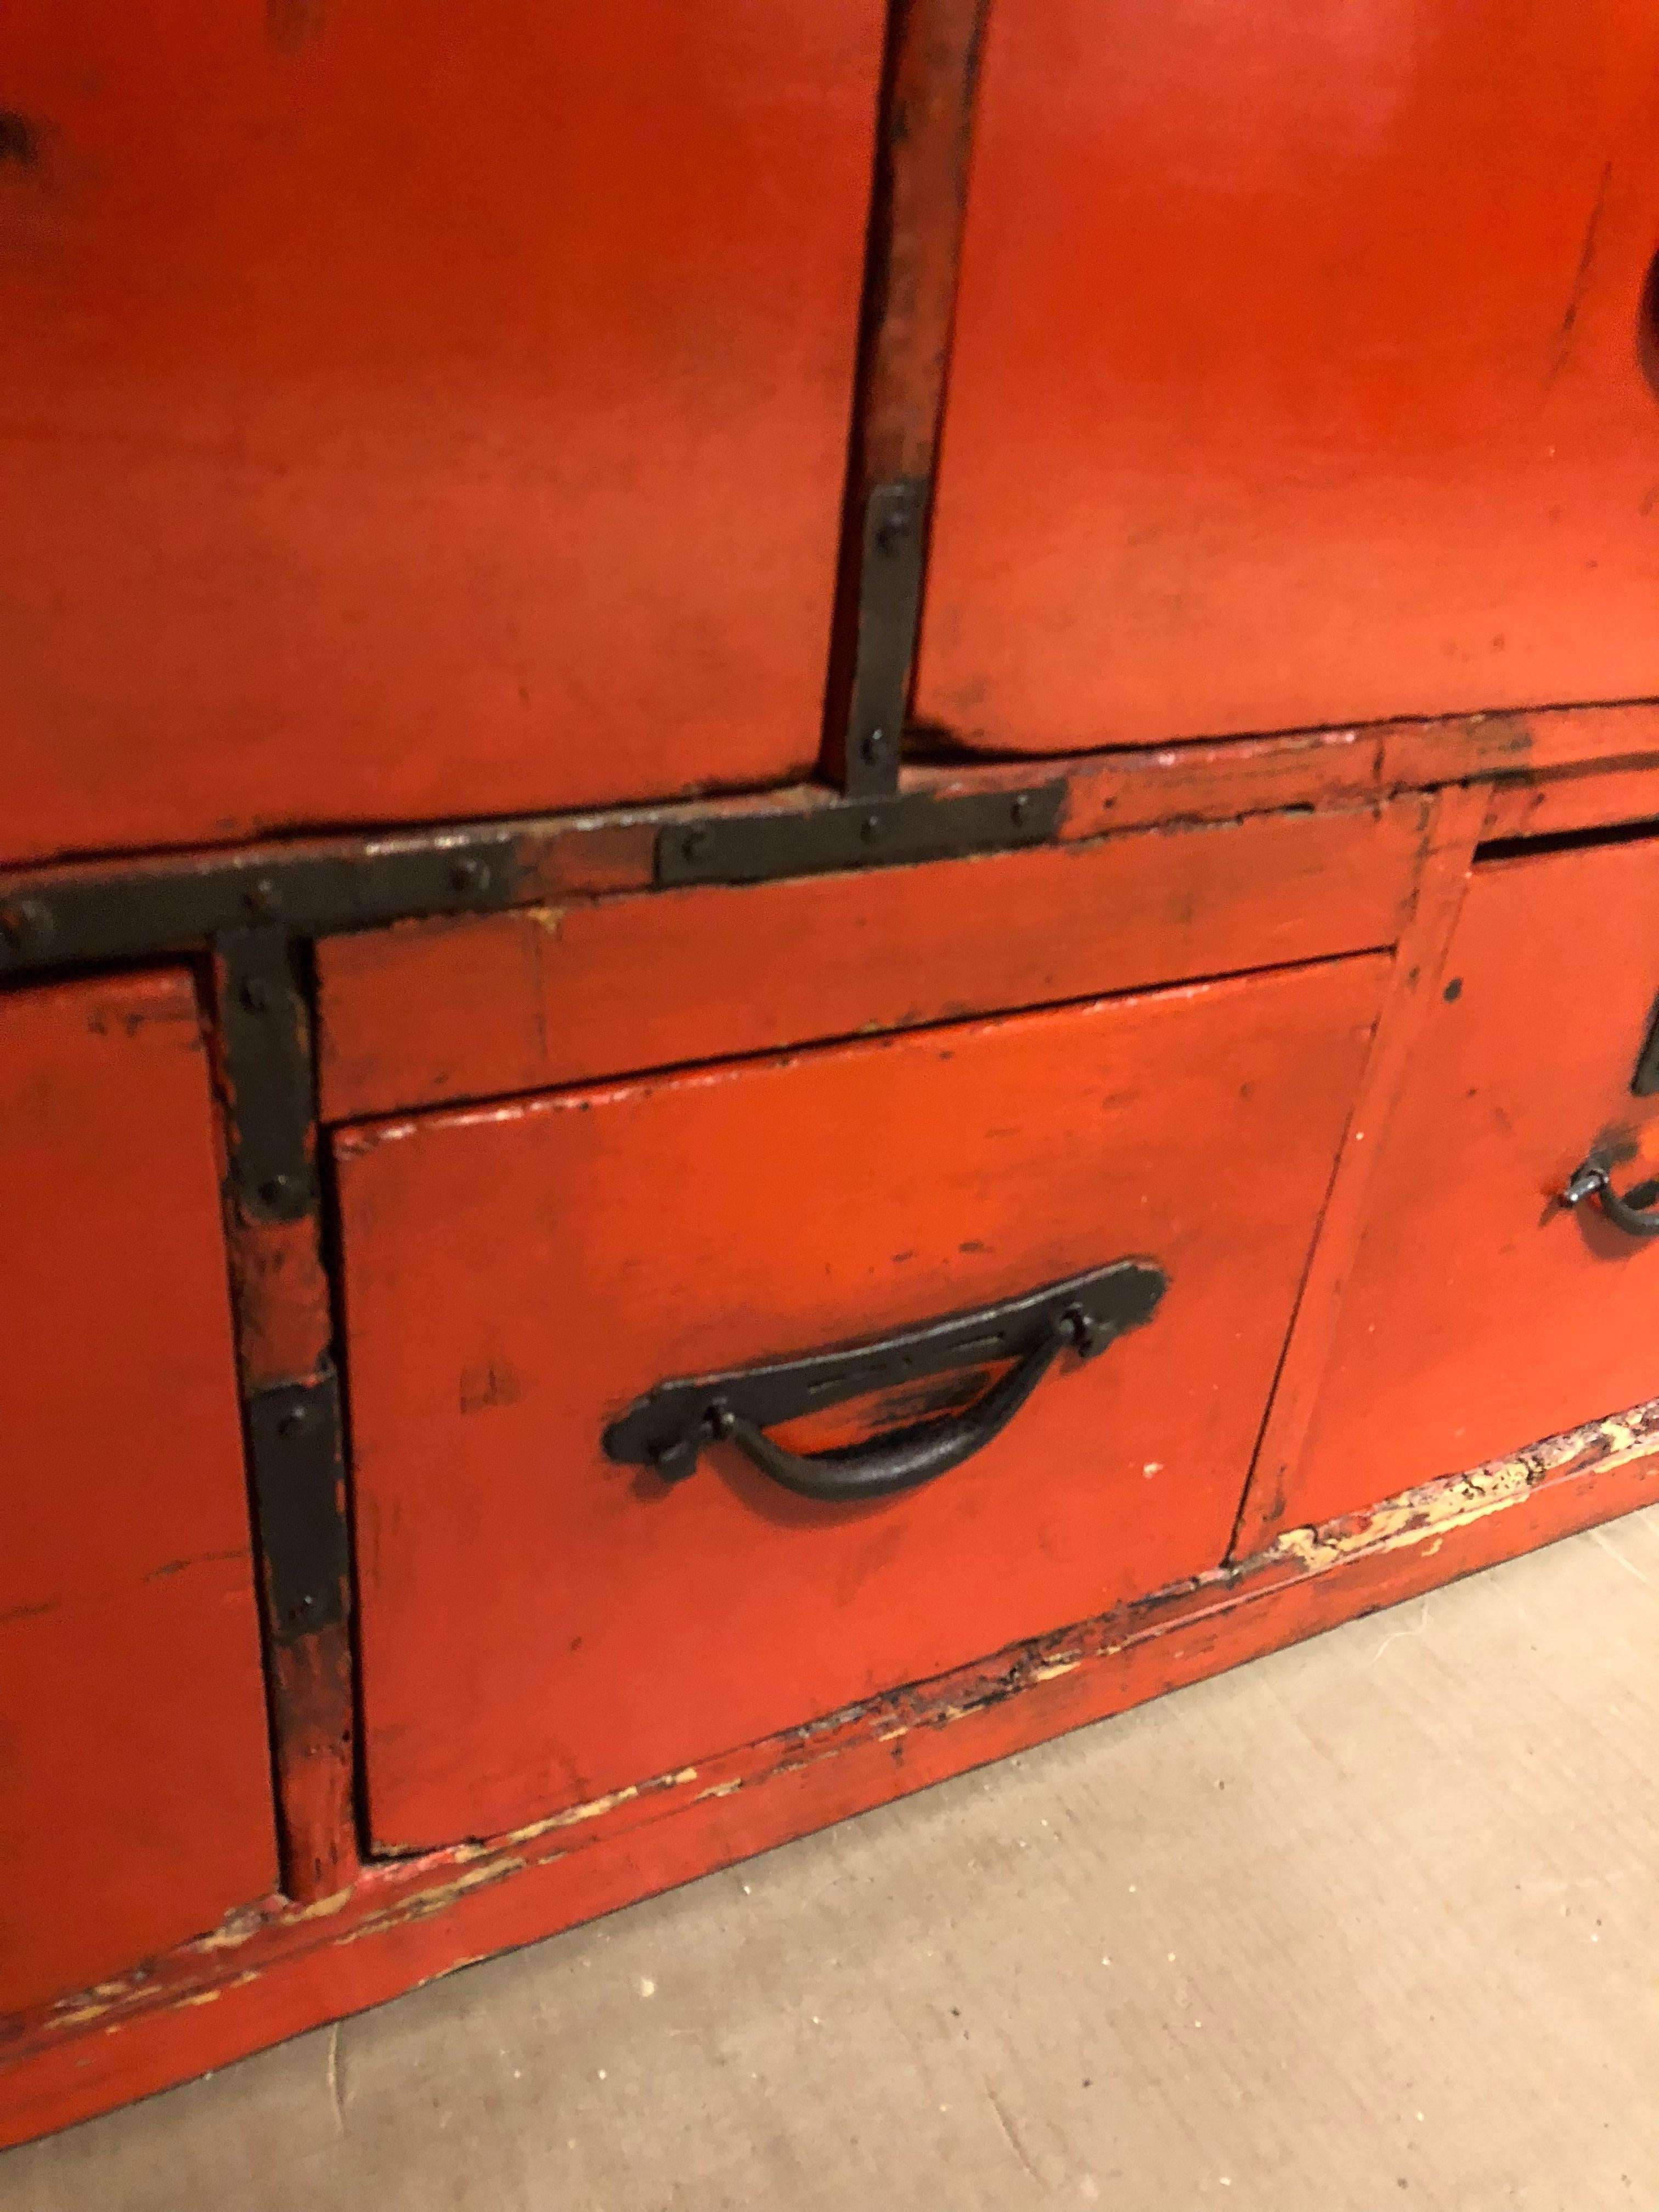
<point>907,1457</point>
<point>669,1428</point>
<point>1594,1181</point>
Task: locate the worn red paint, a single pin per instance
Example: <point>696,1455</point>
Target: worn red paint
<point>314,1728</point>
<point>284,1323</point>
<point>921,199</point>
<point>1574,800</point>
<point>1461,746</point>
<point>1209,781</point>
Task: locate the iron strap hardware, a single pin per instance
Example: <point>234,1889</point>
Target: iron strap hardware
<point>261,983</point>
<point>264,1023</point>
<point>668,1430</point>
<point>298,1462</point>
<point>85,913</point>
<point>888,611</point>
<point>870,833</point>
<point>82,915</point>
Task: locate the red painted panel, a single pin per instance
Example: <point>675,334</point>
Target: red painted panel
<point>516,1274</point>
<point>135,1778</point>
<point>516,1001</point>
<point>1298,373</point>
<point>416,413</point>
<point>1477,1315</point>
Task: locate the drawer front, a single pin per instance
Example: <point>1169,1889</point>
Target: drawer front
<point>540,1624</point>
<point>135,1776</point>
<point>1480,1314</point>
<point>1280,396</point>
<point>419,411</point>
<point>497,1003</point>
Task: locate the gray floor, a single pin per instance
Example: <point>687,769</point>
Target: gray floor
<point>1371,1923</point>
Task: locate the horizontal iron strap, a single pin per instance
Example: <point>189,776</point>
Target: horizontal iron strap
<point>869,833</point>
<point>115,913</point>
<point>94,911</point>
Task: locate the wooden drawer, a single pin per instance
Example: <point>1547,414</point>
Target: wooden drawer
<point>540,1626</point>
<point>135,1774</point>
<point>564,992</point>
<point>1480,1314</point>
<point>412,415</point>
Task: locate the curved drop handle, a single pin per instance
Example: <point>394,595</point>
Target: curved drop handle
<point>907,1457</point>
<point>668,1430</point>
<point>1594,1180</point>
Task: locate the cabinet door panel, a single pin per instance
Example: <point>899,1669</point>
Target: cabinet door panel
<point>1302,371</point>
<point>135,1777</point>
<point>416,411</point>
<point>1480,1314</point>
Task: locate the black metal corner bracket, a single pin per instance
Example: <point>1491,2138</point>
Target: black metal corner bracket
<point>868,833</point>
<point>84,913</point>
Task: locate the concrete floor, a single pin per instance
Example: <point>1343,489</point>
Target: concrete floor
<point>1372,1923</point>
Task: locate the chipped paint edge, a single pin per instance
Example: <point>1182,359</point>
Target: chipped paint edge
<point>276,1936</point>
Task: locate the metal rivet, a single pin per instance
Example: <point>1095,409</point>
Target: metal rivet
<point>870,829</point>
<point>30,924</point>
<point>469,875</point>
<point>1019,809</point>
<point>875,744</point>
<point>279,1188</point>
<point>296,1418</point>
<point>262,896</point>
<point>695,844</point>
<point>256,995</point>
